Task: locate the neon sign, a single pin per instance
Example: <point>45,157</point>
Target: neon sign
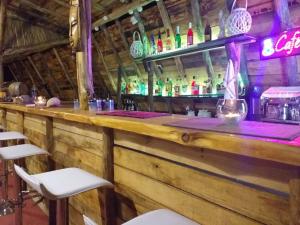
<point>286,44</point>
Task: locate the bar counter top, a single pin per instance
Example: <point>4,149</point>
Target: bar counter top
<point>287,152</point>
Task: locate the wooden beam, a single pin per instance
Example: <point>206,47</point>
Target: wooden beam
<point>40,9</point>
<point>167,25</point>
<point>28,73</point>
<point>143,33</point>
<point>126,45</point>
<point>44,83</point>
<point>49,73</point>
<point>19,53</point>
<point>282,15</point>
<point>101,57</point>
<point>13,73</point>
<point>64,70</point>
<point>2,33</point>
<point>121,11</point>
<point>62,3</point>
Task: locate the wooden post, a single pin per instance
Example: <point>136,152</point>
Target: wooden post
<point>294,200</point>
<point>81,34</point>
<point>119,92</point>
<point>282,16</point>
<point>2,33</point>
<point>149,68</point>
<point>107,201</point>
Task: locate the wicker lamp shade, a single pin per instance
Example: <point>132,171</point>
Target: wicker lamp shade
<point>137,47</point>
<point>239,20</point>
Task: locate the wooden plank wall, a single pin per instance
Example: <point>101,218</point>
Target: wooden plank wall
<point>209,187</point>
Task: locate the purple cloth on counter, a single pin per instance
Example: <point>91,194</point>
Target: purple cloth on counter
<point>250,128</point>
<point>133,114</point>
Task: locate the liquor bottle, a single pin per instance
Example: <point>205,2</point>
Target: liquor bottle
<point>207,32</point>
<point>190,35</point>
<point>177,38</point>
<point>184,86</point>
<point>177,88</point>
<point>142,88</point>
<point>194,87</point>
<point>159,88</point>
<point>159,43</point>
<point>146,45</point>
<point>153,45</point>
<point>33,92</point>
<point>123,87</point>
<point>128,87</point>
<point>168,41</point>
<point>169,87</point>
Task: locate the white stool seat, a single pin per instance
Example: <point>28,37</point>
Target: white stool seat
<point>161,217</point>
<point>11,135</point>
<point>20,151</point>
<point>63,183</point>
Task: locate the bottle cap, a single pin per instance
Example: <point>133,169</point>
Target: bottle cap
<point>190,25</point>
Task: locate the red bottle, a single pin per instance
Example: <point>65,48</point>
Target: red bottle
<point>159,43</point>
<point>194,87</point>
<point>190,35</point>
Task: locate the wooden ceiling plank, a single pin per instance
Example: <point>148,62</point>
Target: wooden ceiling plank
<point>18,53</point>
<point>40,9</point>
<point>62,3</point>
<point>121,11</point>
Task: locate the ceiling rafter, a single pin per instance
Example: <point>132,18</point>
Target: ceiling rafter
<point>121,11</point>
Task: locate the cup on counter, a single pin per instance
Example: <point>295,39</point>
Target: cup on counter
<point>92,106</point>
<point>76,105</point>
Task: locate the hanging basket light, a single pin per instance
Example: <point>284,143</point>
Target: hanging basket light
<point>137,47</point>
<point>239,20</point>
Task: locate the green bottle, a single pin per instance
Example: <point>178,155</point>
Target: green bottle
<point>169,87</point>
<point>160,85</point>
<point>177,38</point>
<point>146,45</point>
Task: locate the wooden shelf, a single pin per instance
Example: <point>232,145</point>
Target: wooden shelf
<point>202,47</point>
<point>176,97</point>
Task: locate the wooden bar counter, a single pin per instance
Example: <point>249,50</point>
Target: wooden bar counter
<point>212,178</point>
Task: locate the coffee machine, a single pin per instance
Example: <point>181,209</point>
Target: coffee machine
<point>281,105</point>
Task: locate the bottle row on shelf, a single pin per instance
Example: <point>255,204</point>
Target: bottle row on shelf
<point>159,45</point>
<point>179,87</point>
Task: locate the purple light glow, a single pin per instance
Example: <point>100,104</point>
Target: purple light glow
<point>286,44</point>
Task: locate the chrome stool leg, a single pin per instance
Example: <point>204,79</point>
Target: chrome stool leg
<point>6,206</point>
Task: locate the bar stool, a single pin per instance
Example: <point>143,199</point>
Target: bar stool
<point>5,206</point>
<point>62,184</point>
<point>160,217</point>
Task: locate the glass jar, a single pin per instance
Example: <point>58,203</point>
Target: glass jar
<point>232,111</point>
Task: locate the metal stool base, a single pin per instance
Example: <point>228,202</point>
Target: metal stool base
<point>6,207</point>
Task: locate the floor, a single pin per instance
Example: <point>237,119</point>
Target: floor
<point>32,215</point>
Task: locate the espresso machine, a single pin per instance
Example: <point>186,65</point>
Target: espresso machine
<point>281,105</point>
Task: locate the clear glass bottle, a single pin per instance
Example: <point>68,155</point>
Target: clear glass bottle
<point>168,41</point>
